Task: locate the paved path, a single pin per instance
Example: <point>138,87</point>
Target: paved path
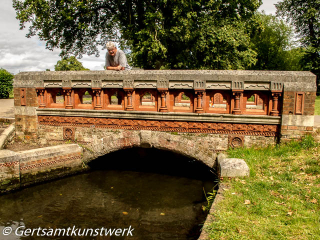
<point>7,111</point>
<point>6,108</point>
<point>317,121</point>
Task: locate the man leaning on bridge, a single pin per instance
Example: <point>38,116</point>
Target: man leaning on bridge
<point>115,59</point>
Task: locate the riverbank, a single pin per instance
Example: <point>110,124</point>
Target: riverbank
<point>280,199</point>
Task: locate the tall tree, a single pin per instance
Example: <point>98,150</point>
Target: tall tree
<point>5,83</point>
<point>305,15</point>
<point>161,33</point>
<point>274,45</point>
<point>69,64</point>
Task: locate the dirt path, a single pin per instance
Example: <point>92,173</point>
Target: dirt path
<point>6,108</point>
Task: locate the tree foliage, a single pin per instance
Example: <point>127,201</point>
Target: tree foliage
<point>69,64</point>
<point>305,15</point>
<point>161,33</point>
<point>5,83</point>
<point>274,46</point>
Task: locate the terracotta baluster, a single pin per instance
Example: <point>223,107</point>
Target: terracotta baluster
<point>275,100</point>
<point>129,98</point>
<point>68,93</point>
<point>41,93</point>
<point>237,97</point>
<point>199,108</point>
<point>163,107</point>
<point>98,101</point>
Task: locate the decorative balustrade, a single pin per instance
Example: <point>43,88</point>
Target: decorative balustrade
<point>222,102</point>
<point>165,95</point>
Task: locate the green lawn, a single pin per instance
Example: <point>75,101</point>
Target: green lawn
<point>317,106</point>
<point>280,199</point>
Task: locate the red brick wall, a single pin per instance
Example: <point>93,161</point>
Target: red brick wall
<point>26,125</point>
<point>288,103</point>
<point>309,102</point>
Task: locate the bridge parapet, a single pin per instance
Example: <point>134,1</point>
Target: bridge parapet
<point>263,103</point>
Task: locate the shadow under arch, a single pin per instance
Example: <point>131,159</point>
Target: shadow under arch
<point>198,148</point>
<point>142,159</point>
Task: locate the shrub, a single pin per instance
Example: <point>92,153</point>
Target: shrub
<point>5,83</point>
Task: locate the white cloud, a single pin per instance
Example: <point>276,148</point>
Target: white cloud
<point>19,53</point>
<point>268,6</point>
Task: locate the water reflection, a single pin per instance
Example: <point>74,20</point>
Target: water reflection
<point>158,193</point>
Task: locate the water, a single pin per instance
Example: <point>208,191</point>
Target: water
<point>157,193</point>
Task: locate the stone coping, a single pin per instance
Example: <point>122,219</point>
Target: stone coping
<point>6,134</point>
<point>175,79</point>
<point>169,116</point>
<point>164,73</point>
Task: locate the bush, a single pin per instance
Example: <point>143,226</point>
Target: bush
<point>5,83</point>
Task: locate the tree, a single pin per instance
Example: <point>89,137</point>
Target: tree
<point>274,46</point>
<point>161,34</point>
<point>5,83</point>
<point>305,15</point>
<point>69,64</point>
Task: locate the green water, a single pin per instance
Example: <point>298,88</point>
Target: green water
<point>158,194</point>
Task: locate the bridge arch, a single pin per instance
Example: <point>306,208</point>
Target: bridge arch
<point>200,148</point>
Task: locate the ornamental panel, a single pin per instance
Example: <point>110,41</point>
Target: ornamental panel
<point>257,86</point>
<point>52,83</point>
<point>218,85</point>
<point>112,83</point>
<point>168,126</point>
<point>181,84</point>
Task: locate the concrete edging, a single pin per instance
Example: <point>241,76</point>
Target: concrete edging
<point>7,133</point>
<point>19,169</point>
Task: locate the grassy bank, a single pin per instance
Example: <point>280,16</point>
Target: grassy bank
<point>280,199</point>
<point>317,106</point>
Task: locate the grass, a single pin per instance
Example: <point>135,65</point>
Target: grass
<point>317,106</point>
<point>280,199</point>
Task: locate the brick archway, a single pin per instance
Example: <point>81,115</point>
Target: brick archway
<point>199,148</point>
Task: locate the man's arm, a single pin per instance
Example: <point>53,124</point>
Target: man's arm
<point>118,68</point>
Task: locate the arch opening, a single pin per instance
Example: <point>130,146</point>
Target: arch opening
<point>149,159</point>
<point>158,183</point>
<point>115,99</point>
<point>147,99</point>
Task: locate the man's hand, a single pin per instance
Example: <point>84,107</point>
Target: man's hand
<point>118,68</point>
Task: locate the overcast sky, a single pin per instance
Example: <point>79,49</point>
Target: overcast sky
<point>20,54</point>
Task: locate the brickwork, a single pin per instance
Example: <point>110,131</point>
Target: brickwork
<point>289,99</point>
<point>297,122</point>
<point>288,103</point>
<point>32,99</point>
<point>9,171</point>
<point>309,103</point>
<point>166,126</point>
<point>100,141</point>
<point>16,94</point>
<point>26,125</point>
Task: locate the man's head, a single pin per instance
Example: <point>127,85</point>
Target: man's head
<point>111,47</point>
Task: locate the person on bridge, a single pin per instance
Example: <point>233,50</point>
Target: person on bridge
<point>115,59</point>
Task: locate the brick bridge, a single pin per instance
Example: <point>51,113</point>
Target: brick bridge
<point>195,113</point>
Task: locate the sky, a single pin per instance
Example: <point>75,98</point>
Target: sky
<point>20,54</point>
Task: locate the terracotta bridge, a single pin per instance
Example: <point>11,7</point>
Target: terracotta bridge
<point>194,113</point>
